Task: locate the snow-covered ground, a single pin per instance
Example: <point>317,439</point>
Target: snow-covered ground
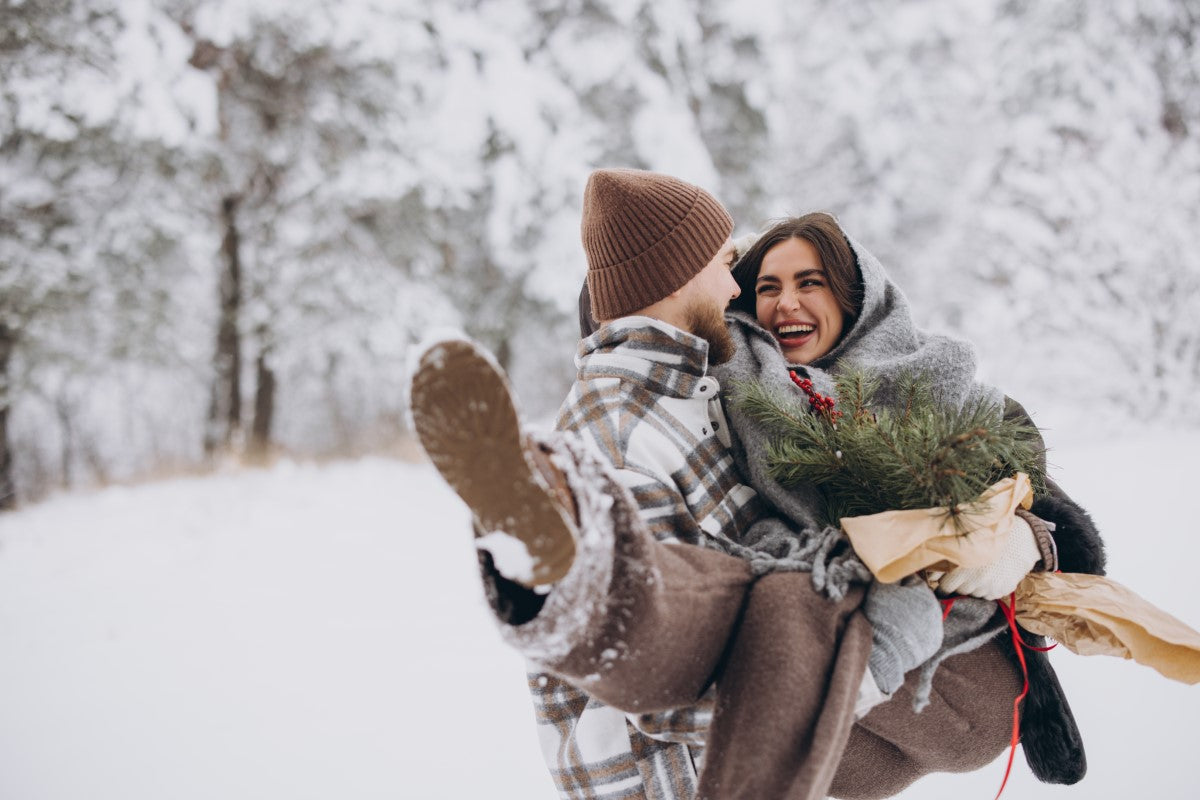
<point>317,632</point>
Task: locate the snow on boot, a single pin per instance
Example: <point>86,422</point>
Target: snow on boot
<point>467,422</point>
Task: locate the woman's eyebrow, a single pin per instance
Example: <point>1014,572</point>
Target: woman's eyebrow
<point>804,273</point>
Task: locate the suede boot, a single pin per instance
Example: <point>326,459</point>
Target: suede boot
<point>467,422</point>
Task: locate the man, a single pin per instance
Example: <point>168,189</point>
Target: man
<point>615,587</point>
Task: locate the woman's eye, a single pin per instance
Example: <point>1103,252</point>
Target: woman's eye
<point>768,289</point>
<point>807,282</point>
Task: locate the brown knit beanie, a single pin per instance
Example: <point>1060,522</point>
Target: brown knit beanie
<point>646,235</point>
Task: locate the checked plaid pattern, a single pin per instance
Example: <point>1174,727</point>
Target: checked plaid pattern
<point>595,752</point>
<point>644,400</point>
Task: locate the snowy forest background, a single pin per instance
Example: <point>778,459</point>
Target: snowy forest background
<point>223,224</point>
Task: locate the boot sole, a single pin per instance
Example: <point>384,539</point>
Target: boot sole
<point>467,422</point>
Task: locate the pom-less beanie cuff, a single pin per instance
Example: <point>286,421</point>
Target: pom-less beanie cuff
<point>646,235</point>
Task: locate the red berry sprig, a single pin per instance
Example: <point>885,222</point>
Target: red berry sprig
<point>816,401</point>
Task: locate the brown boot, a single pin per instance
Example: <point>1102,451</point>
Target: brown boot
<point>465,418</point>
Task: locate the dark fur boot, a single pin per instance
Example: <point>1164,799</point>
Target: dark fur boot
<point>1049,736</point>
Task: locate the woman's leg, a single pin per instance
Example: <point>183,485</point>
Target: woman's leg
<point>966,725</point>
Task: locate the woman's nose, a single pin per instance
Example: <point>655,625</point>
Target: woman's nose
<point>789,300</point>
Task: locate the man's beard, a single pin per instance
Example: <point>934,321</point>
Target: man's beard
<point>707,320</point>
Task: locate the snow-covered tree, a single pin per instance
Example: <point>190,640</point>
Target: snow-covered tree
<point>1078,230</point>
<point>305,111</point>
<point>83,290</point>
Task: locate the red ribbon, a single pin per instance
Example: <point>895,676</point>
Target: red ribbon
<point>947,604</point>
<point>1019,644</point>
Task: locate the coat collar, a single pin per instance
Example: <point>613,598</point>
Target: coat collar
<point>665,359</point>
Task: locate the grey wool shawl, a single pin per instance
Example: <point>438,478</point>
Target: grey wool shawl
<point>884,341</point>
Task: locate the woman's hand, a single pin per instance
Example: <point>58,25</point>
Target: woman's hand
<point>999,578</point>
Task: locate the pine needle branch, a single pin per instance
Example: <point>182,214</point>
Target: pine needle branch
<point>912,455</point>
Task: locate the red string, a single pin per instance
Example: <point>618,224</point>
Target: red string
<point>1019,644</point>
<point>947,605</point>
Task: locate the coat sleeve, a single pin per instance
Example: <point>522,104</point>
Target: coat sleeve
<point>687,725</point>
<point>661,506</point>
<point>591,749</point>
<point>594,751</point>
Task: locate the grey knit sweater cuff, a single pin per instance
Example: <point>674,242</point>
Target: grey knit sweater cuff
<point>906,623</point>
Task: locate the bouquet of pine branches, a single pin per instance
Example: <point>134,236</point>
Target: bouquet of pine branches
<point>914,454</point>
<point>908,481</point>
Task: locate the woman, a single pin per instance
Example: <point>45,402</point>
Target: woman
<point>814,302</point>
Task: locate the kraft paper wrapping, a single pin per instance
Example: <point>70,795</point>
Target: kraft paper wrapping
<point>896,544</point>
<point>1092,615</point>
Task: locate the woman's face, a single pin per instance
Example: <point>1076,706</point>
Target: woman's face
<point>793,301</point>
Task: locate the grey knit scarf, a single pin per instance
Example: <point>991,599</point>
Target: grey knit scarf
<point>884,341</point>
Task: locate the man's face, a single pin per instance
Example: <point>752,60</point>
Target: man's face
<point>715,282</point>
<point>706,297</point>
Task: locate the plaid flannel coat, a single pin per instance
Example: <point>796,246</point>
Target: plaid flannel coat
<point>644,400</point>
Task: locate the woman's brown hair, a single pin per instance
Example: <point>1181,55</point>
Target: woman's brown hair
<point>837,258</point>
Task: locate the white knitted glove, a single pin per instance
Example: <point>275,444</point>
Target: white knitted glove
<point>999,578</point>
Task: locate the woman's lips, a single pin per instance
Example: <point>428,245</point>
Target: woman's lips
<point>794,334</point>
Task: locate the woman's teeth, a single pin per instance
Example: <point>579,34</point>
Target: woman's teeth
<point>794,330</point>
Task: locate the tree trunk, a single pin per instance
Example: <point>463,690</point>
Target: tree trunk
<point>225,402</point>
<point>66,456</point>
<point>8,485</point>
<point>264,408</point>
